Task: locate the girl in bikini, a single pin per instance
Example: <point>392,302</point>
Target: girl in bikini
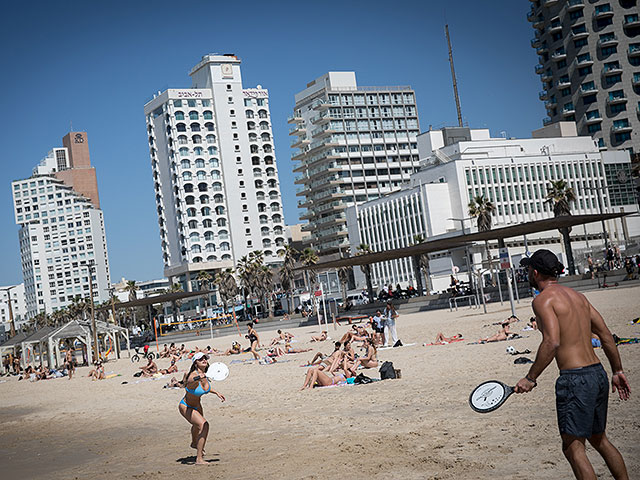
<point>196,385</point>
<point>317,378</point>
<point>368,361</point>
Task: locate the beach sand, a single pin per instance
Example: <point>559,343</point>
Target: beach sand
<point>417,427</point>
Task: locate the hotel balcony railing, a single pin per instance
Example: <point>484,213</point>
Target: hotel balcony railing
<point>608,41</point>
<point>634,51</point>
<point>631,21</point>
<point>621,128</point>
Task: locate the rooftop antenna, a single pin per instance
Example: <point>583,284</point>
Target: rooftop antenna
<point>453,77</point>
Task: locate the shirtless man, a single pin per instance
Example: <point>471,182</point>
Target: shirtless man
<point>320,359</point>
<point>566,320</point>
<point>68,362</point>
<point>149,369</point>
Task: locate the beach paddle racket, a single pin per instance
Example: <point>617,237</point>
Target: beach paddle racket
<point>217,371</point>
<point>489,396</point>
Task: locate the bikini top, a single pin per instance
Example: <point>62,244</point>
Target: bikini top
<point>199,391</point>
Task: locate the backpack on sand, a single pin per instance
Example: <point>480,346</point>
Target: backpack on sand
<point>387,371</point>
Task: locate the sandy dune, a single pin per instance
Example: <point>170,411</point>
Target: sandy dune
<point>418,427</point>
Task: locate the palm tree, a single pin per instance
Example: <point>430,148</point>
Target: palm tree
<point>560,195</point>
<point>364,249</point>
<point>264,286</point>
<point>204,278</point>
<point>287,274</point>
<point>481,208</point>
<point>343,275</point>
<point>132,288</point>
<point>227,286</point>
<point>309,257</point>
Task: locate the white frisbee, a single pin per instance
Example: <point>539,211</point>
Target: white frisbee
<point>217,371</point>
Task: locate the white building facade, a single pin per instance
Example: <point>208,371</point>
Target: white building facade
<point>60,233</point>
<point>18,306</point>
<point>354,144</point>
<point>459,164</point>
<point>215,175</point>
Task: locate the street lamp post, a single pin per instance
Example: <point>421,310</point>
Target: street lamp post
<point>11,323</point>
<point>466,249</point>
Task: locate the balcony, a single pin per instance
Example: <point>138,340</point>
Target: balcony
<point>631,21</point>
<point>568,111</point>
<point>634,51</point>
<point>611,70</point>
<point>539,69</point>
<point>296,117</point>
<point>551,103</point>
<point>299,142</point>
<point>546,121</point>
<point>608,41</point>
<point>564,83</point>
<point>546,77</point>
<point>579,35</point>
<point>603,12</point>
<point>575,5</point>
<point>538,24</point>
<point>592,120</point>
<point>543,95</point>
<point>557,56</point>
<point>548,3</point>
<point>297,129</point>
<point>554,27</point>
<point>616,100</point>
<point>588,90</point>
<point>531,16</point>
<point>635,81</point>
<point>585,62</point>
<point>536,42</point>
<point>621,128</point>
<point>542,49</point>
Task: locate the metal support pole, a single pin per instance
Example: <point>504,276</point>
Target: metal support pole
<point>500,289</point>
<point>93,316</point>
<point>481,282</point>
<point>513,306</point>
<point>515,282</point>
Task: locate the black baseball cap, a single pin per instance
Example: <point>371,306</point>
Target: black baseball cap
<point>545,262</point>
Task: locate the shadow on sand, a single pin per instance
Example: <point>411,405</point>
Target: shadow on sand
<point>191,460</point>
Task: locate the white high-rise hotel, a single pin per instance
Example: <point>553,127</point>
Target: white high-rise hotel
<point>61,229</point>
<point>214,169</point>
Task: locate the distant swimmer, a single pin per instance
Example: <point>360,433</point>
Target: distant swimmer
<point>567,320</point>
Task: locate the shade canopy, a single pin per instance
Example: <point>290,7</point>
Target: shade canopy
<point>164,298</point>
<point>457,240</point>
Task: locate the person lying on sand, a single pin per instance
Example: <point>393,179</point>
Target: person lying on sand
<point>502,334</point>
<point>319,338</point>
<point>289,349</point>
<point>286,336</point>
<point>173,368</point>
<point>442,340</point>
<point>149,369</point>
<point>317,378</point>
<point>174,383</point>
<point>358,334</point>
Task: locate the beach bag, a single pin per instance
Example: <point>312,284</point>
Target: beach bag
<point>362,379</point>
<point>387,371</point>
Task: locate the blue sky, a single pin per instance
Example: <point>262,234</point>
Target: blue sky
<point>96,63</point>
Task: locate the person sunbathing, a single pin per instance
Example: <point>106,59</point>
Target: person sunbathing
<point>442,340</point>
<point>355,336</point>
<point>289,349</point>
<point>165,352</point>
<point>502,334</point>
<point>173,368</point>
<point>317,378</point>
<point>370,360</point>
<point>345,357</point>
<point>98,372</point>
<point>319,338</point>
<point>326,360</point>
<point>174,383</point>
<point>149,369</point>
<point>234,350</point>
<point>276,340</point>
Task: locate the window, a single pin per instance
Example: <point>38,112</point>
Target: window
<point>576,15</point>
<point>606,51</point>
<point>583,71</point>
<point>594,128</point>
<point>622,137</point>
<point>191,103</point>
<point>193,115</point>
<point>207,115</point>
<point>612,79</point>
<point>580,42</point>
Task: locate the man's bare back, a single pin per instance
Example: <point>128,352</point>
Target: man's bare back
<point>574,317</point>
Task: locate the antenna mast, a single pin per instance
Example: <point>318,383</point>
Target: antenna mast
<point>453,77</point>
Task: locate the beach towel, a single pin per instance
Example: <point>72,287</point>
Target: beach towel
<point>627,341</point>
<point>403,345</point>
<point>443,343</point>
